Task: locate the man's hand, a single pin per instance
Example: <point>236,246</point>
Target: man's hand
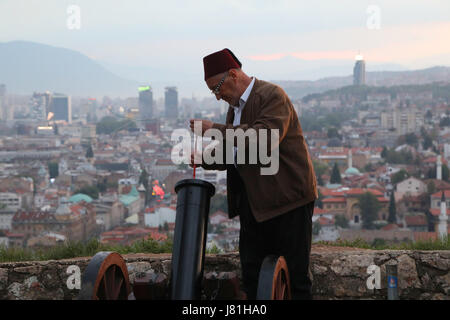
<point>205,125</point>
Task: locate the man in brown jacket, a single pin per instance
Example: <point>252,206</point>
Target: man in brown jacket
<point>275,210</point>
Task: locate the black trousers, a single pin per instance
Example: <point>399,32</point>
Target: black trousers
<point>288,235</point>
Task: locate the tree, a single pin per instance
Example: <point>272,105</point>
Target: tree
<point>91,191</point>
<point>369,206</point>
<point>392,209</point>
<point>431,174</point>
<point>335,174</point>
<point>53,169</point>
<point>399,176</point>
<point>333,133</point>
<point>368,167</point>
<point>319,169</point>
<point>319,200</point>
<point>445,122</point>
<point>110,125</point>
<point>431,188</point>
<point>320,180</point>
<point>341,221</point>
<point>384,153</point>
<point>102,186</point>
<point>219,202</point>
<point>316,228</point>
<point>427,142</point>
<point>411,139</point>
<point>89,152</point>
<point>445,172</point>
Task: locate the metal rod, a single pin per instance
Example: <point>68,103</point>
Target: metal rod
<point>195,151</point>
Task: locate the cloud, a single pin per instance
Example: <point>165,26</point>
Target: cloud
<point>403,43</point>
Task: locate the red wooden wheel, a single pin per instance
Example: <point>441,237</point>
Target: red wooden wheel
<point>274,283</point>
<point>105,278</point>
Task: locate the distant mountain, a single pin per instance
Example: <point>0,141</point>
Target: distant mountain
<point>299,89</point>
<point>300,69</point>
<point>27,66</point>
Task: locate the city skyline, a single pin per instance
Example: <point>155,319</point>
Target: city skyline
<point>165,42</point>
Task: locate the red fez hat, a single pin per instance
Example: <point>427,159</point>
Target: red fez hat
<point>219,62</point>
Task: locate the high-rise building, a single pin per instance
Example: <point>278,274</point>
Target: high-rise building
<point>171,102</point>
<point>359,71</point>
<point>145,104</point>
<point>403,120</point>
<point>3,108</point>
<point>61,107</point>
<point>91,112</point>
<point>40,105</point>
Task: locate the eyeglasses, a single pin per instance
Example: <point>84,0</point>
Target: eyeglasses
<point>216,90</point>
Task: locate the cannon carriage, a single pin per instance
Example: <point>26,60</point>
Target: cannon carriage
<point>106,276</point>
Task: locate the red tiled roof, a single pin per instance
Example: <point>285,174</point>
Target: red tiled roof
<point>76,209</point>
<point>325,221</point>
<point>318,210</point>
<point>437,212</point>
<point>111,240</point>
<point>434,159</point>
<point>415,220</point>
<point>330,192</point>
<point>32,215</point>
<point>358,191</point>
<point>420,235</point>
<point>439,194</point>
<point>333,200</point>
<point>15,235</point>
<point>150,210</point>
<point>156,236</point>
<point>219,213</point>
<point>391,226</point>
<point>136,231</point>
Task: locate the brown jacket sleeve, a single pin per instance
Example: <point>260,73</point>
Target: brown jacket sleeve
<point>275,113</point>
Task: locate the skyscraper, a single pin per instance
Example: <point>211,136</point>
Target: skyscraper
<point>145,104</point>
<point>61,107</point>
<point>2,101</point>
<point>40,105</point>
<point>359,71</point>
<point>171,102</point>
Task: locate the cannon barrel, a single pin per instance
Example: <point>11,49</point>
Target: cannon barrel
<point>193,200</point>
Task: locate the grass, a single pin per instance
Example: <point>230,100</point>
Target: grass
<point>81,249</point>
<point>86,249</point>
<point>380,244</point>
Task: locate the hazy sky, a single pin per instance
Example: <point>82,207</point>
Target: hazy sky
<point>177,34</point>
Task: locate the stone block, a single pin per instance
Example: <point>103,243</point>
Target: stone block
<point>3,278</point>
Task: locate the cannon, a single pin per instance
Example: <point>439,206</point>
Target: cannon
<point>106,276</point>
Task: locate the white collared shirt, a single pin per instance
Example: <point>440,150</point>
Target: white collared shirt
<point>238,109</point>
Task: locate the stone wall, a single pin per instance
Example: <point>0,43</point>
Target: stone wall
<point>338,273</point>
